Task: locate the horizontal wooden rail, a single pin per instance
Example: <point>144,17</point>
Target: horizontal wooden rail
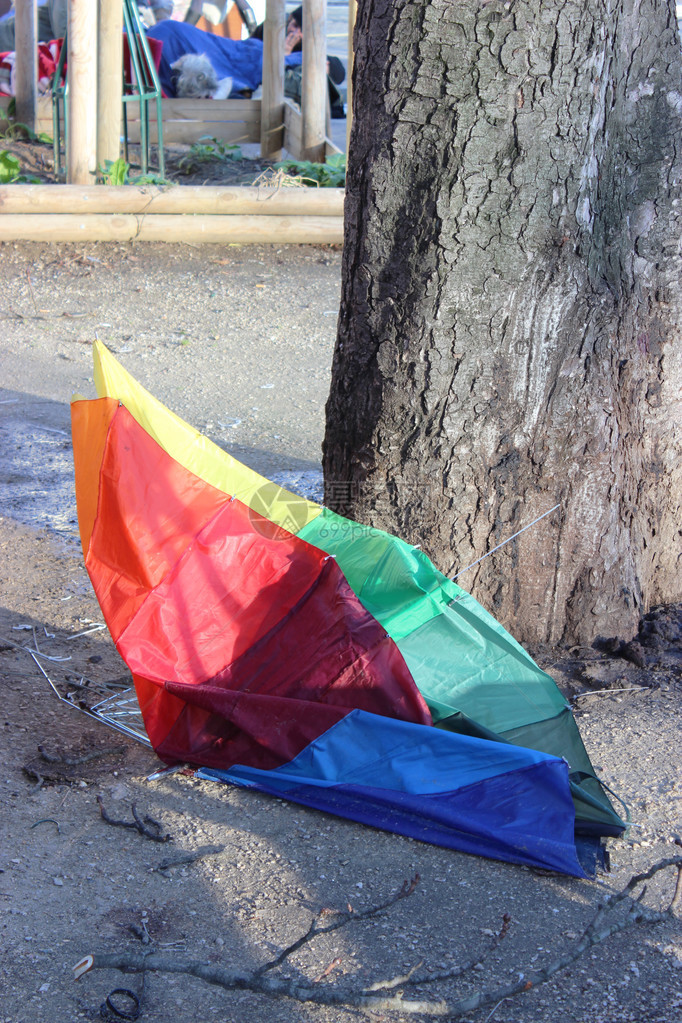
<point>187,120</point>
<point>184,120</point>
<point>173,199</point>
<point>193,229</point>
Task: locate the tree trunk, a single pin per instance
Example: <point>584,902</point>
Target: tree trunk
<point>509,336</point>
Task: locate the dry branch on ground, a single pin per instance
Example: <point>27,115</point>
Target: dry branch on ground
<point>388,994</point>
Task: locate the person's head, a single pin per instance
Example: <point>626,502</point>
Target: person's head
<point>294,31</point>
<point>296,17</point>
<point>162,9</point>
<point>293,25</point>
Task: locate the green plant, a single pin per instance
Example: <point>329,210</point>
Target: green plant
<point>117,172</point>
<point>16,131</point>
<point>10,170</point>
<point>207,149</point>
<point>330,174</point>
<point>149,179</point>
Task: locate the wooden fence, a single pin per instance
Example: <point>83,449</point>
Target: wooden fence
<point>81,210</point>
<point>178,213</point>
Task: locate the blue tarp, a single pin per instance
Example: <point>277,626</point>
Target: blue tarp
<point>239,59</point>
<point>474,795</point>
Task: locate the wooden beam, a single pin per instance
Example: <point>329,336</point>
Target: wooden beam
<point>293,131</point>
<point>187,120</point>
<point>187,132</point>
<point>195,230</point>
<point>184,121</point>
<point>109,80</point>
<point>272,102</point>
<point>176,199</point>
<point>81,156</point>
<point>26,48</point>
<point>314,84</point>
<point>206,110</point>
<point>352,15</point>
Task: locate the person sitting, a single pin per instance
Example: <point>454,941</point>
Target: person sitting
<point>238,59</point>
<point>293,43</point>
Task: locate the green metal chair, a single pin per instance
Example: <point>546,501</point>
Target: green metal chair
<point>140,85</point>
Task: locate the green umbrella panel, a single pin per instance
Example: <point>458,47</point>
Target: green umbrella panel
<point>473,675</point>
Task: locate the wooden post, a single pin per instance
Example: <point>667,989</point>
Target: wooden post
<point>272,101</point>
<point>26,47</point>
<point>109,80</point>
<point>314,86</point>
<point>352,15</point>
<point>82,92</point>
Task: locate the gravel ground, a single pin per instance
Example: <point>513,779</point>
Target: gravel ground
<point>238,340</point>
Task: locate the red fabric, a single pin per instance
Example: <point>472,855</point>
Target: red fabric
<point>244,645</point>
<point>48,58</point>
<point>155,48</point>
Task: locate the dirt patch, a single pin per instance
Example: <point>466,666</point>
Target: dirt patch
<point>238,340</point>
<point>207,162</point>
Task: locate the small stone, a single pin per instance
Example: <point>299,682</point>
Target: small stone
<point>58,881</point>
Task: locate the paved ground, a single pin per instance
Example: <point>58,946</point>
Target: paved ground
<point>238,340</point>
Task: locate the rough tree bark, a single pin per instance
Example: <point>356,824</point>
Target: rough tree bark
<point>509,335</point>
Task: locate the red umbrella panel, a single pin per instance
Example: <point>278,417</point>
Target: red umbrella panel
<point>245,643</point>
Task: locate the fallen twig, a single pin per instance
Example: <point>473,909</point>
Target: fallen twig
<point>388,994</point>
<point>47,820</point>
<point>13,314</point>
<point>494,1010</point>
<point>343,917</point>
<point>328,969</point>
<point>610,692</point>
<point>143,825</point>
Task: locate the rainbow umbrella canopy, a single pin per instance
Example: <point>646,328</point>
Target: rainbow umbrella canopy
<point>282,647</point>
